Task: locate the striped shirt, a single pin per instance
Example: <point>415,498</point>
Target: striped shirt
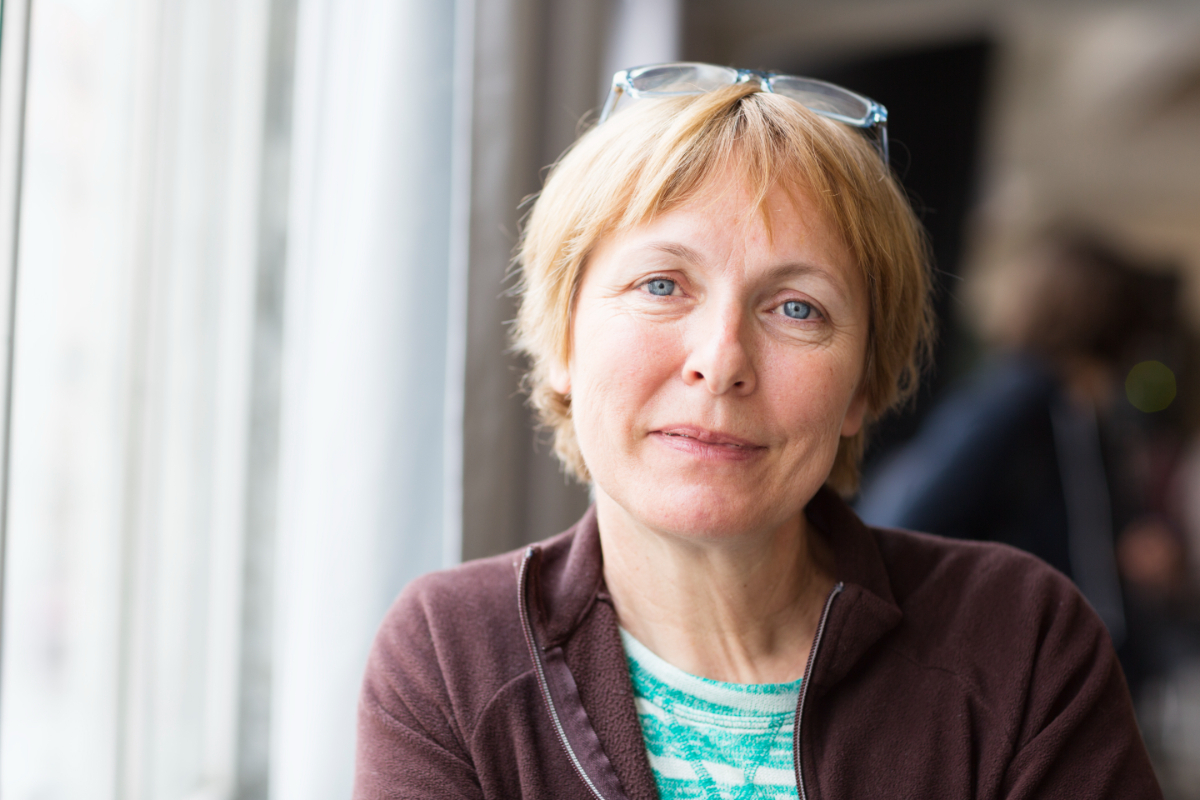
<point>710,740</point>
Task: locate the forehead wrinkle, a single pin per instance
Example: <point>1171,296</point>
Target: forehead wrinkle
<point>676,249</point>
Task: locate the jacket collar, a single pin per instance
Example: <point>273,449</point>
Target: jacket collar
<point>866,609</point>
<point>571,578</point>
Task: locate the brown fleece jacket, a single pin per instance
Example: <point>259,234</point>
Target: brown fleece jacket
<point>944,669</point>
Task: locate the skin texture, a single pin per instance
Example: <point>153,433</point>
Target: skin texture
<point>714,368</point>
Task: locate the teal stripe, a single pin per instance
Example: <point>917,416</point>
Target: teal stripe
<point>710,739</point>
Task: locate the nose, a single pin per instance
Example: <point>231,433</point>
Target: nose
<point>717,355</point>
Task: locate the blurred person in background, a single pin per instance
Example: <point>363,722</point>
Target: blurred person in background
<point>722,287</point>
<point>1042,447</point>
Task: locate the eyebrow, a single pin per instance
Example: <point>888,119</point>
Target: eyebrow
<point>682,251</point>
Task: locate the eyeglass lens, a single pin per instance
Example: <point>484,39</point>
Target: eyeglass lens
<point>823,97</point>
<point>682,78</point>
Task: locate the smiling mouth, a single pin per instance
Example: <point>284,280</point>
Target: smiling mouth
<point>702,441</point>
<point>708,438</point>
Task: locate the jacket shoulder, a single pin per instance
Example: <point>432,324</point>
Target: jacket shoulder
<point>474,597</point>
<point>456,632</point>
<point>470,595</point>
<point>919,562</point>
<point>929,572</point>
<point>986,611</point>
<point>1034,667</point>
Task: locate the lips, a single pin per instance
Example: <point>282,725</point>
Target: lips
<point>702,436</point>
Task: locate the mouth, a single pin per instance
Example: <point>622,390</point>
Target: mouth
<point>694,436</point>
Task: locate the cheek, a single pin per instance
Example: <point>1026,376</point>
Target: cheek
<point>618,365</point>
<point>812,392</point>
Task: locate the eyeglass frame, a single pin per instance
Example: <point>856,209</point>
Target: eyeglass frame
<point>874,120</point>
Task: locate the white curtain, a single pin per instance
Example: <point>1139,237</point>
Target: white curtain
<point>361,458</point>
<point>135,302</point>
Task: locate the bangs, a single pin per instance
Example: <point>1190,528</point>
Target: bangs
<point>761,140</point>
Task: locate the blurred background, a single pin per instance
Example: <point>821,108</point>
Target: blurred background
<point>254,294</point>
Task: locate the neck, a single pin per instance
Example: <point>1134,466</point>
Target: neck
<point>742,608</point>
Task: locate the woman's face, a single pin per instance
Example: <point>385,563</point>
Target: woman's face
<point>714,369</point>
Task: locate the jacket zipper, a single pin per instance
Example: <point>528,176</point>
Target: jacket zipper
<point>536,655</point>
<point>812,658</point>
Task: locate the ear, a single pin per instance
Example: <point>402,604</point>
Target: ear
<point>852,423</point>
<point>560,379</point>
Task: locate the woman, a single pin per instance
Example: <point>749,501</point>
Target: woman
<point>721,288</point>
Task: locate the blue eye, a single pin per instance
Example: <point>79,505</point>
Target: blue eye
<point>797,309</point>
<point>661,287</point>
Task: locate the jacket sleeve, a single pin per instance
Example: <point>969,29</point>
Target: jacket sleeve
<point>410,744</point>
<point>1078,737</point>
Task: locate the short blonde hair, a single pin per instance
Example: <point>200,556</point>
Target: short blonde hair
<point>657,155</point>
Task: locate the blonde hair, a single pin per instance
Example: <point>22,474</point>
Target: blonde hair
<point>657,155</point>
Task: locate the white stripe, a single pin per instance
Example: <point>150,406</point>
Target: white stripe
<point>681,770</point>
<point>716,692</point>
<point>647,708</point>
<point>697,717</point>
<point>773,776</point>
<point>673,768</point>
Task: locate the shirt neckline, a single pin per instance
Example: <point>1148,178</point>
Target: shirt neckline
<point>769,698</point>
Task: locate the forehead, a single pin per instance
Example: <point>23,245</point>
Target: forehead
<point>729,218</point>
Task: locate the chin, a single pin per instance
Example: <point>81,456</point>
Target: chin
<point>706,512</point>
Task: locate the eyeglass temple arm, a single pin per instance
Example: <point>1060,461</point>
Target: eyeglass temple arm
<point>614,95</point>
